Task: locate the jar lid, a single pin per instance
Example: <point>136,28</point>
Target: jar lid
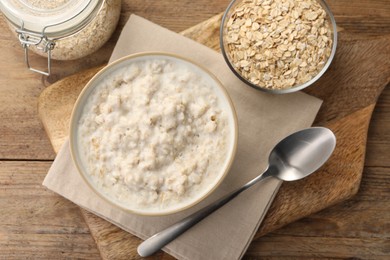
<point>56,18</point>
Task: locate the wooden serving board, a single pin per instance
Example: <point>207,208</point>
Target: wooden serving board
<point>349,89</point>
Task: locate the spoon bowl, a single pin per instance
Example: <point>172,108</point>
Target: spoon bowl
<point>301,153</point>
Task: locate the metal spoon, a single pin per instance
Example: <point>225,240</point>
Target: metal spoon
<point>293,158</point>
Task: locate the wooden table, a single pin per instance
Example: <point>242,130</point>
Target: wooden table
<point>36,223</point>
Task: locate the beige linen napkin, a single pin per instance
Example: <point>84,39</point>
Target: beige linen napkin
<point>264,119</point>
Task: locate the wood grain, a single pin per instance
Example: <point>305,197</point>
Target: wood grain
<point>353,220</point>
<point>338,231</point>
<point>36,222</point>
<point>379,144</point>
<point>21,131</point>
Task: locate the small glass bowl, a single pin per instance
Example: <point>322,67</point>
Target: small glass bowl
<point>224,49</point>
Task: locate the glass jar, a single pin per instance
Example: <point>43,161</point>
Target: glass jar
<point>61,29</point>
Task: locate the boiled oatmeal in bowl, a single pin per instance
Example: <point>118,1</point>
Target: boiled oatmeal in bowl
<point>153,133</point>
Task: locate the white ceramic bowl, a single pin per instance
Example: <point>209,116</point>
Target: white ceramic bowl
<point>225,104</point>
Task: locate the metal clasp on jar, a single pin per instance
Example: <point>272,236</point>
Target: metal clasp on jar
<point>41,42</point>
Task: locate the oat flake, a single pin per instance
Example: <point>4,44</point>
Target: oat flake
<point>278,44</point>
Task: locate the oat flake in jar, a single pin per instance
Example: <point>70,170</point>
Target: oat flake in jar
<point>61,29</point>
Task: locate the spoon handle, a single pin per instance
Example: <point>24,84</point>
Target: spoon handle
<point>164,237</point>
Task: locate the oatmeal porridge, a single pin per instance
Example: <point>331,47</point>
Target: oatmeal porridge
<point>154,134</point>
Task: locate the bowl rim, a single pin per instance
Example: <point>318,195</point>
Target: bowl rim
<point>287,90</point>
<point>93,82</point>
